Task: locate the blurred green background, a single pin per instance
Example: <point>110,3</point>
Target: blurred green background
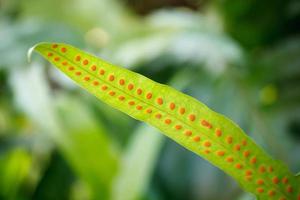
<point>242,58</point>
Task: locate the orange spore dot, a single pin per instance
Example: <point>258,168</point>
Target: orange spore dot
<point>54,46</point>
<point>64,63</point>
<point>85,62</point>
<point>178,127</point>
<point>271,169</point>
<point>196,138</point>
<point>139,107</point>
<point>131,103</point>
<point>101,71</point>
<point>139,91</point>
<point>192,117</point>
<point>253,160</point>
<point>172,106</point>
<point>260,182</point>
<point>246,153</point>
<point>159,101</point>
<point>275,180</point>
<point>111,77</point>
<point>260,190</point>
<point>244,142</point>
<point>188,133</point>
<point>207,143</point>
<point>285,180</point>
<point>121,81</point>
<point>229,159</point>
<point>71,68</point>
<point>78,58</point>
<point>239,166</point>
<point>158,116</point>
<point>149,95</point>
<point>218,133</point>
<point>206,151</point>
<point>104,87</point>
<point>271,193</point>
<point>57,58</point>
<point>50,54</point>
<point>130,86</point>
<point>93,67</point>
<point>168,121</point>
<point>64,50</point>
<point>289,189</point>
<point>182,111</point>
<point>237,147</point>
<point>112,93</point>
<point>78,73</point>
<point>220,153</point>
<point>298,198</point>
<point>149,110</point>
<point>248,173</point>
<point>86,78</point>
<point>121,98</point>
<point>229,140</point>
<point>206,124</point>
<point>262,169</point>
<point>95,83</point>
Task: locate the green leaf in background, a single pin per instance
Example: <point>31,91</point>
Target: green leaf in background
<point>138,164</point>
<point>14,167</point>
<point>81,139</point>
<point>89,151</point>
<point>180,117</point>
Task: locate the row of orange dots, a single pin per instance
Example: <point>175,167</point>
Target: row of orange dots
<point>191,117</point>
<point>139,91</point>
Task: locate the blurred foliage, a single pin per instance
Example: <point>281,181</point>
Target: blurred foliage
<point>242,58</point>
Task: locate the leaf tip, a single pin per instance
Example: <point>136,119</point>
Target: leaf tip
<point>30,51</point>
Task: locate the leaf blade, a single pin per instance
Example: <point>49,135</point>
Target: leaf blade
<point>180,117</point>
